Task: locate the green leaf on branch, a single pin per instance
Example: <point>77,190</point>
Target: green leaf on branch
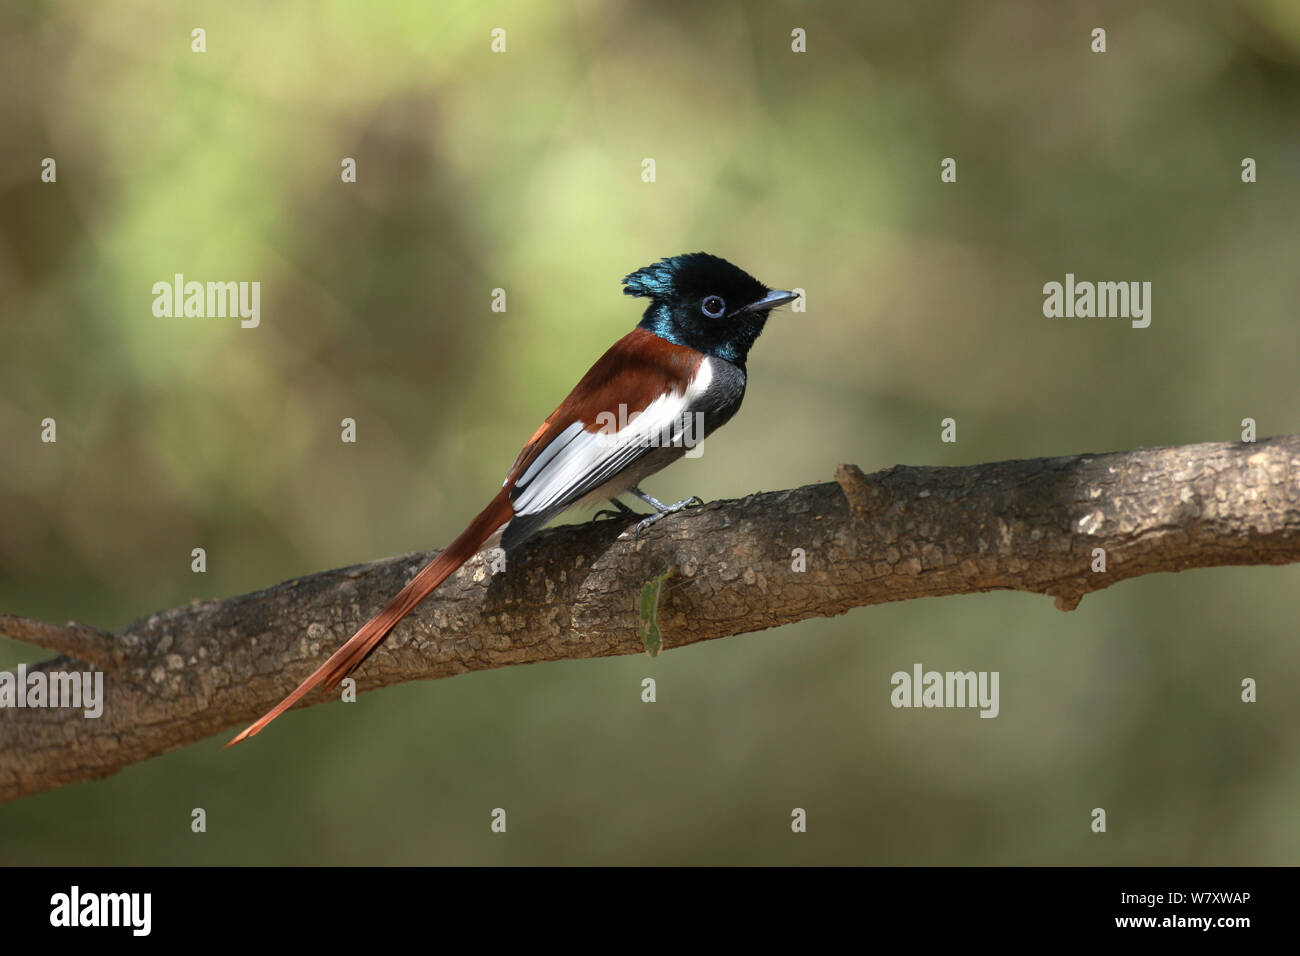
<point>651,638</point>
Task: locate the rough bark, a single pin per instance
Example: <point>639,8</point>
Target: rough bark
<point>183,674</point>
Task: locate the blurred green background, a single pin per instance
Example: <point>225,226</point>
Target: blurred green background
<point>522,170</point>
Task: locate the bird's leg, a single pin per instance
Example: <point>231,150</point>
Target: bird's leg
<point>623,511</point>
<point>661,510</point>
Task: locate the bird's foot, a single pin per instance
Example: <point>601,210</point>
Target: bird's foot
<point>662,510</point>
<point>619,510</point>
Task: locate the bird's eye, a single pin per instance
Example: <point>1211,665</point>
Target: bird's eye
<point>713,307</point>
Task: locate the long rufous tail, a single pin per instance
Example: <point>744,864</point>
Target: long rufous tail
<point>348,657</point>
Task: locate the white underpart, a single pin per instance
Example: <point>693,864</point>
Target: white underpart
<point>575,455</point>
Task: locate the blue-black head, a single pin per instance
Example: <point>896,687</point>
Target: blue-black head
<point>705,303</point>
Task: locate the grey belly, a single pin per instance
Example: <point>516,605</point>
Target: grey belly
<point>652,461</point>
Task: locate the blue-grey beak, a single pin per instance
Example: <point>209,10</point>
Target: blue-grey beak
<point>770,301</point>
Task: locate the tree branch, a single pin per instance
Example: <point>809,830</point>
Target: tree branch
<point>180,675</point>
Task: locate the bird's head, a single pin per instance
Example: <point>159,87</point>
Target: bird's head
<point>705,303</point>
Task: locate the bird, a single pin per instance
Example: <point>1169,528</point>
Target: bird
<point>678,376</point>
